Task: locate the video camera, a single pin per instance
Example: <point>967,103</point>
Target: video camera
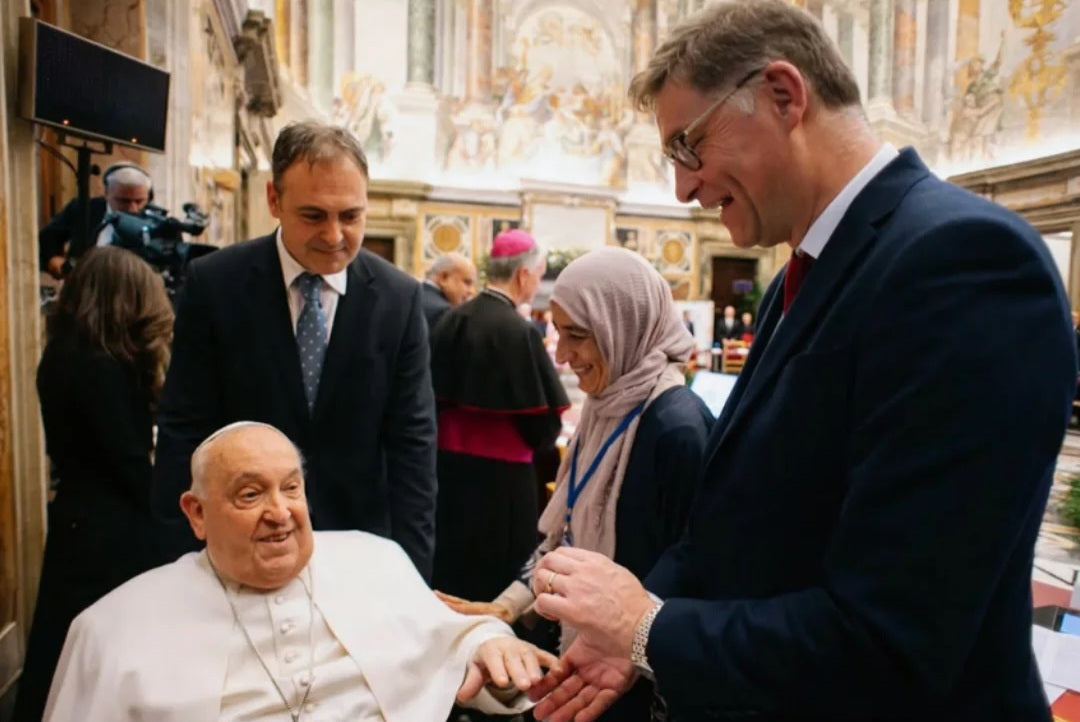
<point>155,236</point>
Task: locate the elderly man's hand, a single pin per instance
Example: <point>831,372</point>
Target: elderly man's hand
<point>588,684</point>
<point>504,661</point>
<point>464,606</point>
<point>593,594</point>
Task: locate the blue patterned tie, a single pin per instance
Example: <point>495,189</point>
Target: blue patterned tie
<point>311,334</point>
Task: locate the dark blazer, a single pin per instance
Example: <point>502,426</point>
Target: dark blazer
<point>862,541</point>
<point>654,501</point>
<point>370,445</point>
<point>434,304</point>
<point>661,474</point>
<point>721,331</point>
<point>98,432</point>
<point>63,227</point>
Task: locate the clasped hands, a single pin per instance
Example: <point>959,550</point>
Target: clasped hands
<point>604,603</point>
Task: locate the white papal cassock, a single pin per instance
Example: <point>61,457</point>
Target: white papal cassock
<point>165,646</point>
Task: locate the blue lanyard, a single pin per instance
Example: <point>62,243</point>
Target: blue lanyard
<point>574,489</point>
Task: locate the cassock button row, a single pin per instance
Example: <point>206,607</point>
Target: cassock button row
<point>291,656</point>
<point>287,627</point>
<point>309,707</point>
<point>279,599</point>
<point>304,680</point>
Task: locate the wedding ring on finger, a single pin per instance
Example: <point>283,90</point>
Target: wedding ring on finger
<point>550,581</point>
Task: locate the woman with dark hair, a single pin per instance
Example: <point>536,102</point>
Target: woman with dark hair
<point>99,380</point>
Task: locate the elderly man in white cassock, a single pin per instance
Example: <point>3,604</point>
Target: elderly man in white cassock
<point>272,621</point>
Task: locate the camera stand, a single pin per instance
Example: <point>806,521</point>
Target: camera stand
<point>83,171</point>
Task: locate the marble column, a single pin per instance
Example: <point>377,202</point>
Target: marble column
<point>845,36</point>
<point>879,87</point>
<point>320,55</point>
<point>904,31</point>
<point>643,32</point>
<point>967,39</point>
<point>417,103</point>
<point>478,49</point>
<point>23,477</point>
<point>421,60</point>
<point>169,26</point>
<point>937,63</point>
<point>344,41</point>
<point>642,140</point>
<point>298,43</point>
<point>283,31</point>
<point>1072,62</point>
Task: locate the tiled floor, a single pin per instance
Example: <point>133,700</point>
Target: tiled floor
<point>1057,551</point>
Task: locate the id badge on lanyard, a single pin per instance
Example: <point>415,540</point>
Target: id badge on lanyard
<point>574,488</point>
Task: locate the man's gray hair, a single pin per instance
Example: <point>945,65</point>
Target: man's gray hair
<point>445,263</point>
<point>127,176</point>
<point>199,456</point>
<point>503,268</point>
<point>719,46</point>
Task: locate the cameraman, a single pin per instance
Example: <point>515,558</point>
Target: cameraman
<point>127,189</point>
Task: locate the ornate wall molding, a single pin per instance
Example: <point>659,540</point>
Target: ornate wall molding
<point>254,47</point>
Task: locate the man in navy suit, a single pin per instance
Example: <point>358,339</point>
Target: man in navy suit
<point>862,542</point>
<point>304,330</point>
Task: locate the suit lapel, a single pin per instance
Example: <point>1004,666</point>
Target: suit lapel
<point>853,237</point>
<point>268,307</point>
<point>349,330</point>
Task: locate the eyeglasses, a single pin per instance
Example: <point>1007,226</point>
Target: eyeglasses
<point>678,150</point>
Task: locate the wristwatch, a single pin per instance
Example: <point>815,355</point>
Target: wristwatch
<point>638,656</point>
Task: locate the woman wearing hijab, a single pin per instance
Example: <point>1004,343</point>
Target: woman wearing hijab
<point>625,485</point>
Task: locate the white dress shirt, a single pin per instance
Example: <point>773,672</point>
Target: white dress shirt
<point>824,226</point>
<point>333,286</point>
<point>278,624</point>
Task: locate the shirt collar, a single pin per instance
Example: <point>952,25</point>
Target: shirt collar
<point>501,294</point>
<point>291,268</point>
<point>821,230</point>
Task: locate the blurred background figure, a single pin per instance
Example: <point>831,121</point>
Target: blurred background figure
<point>99,381</point>
<point>450,282</point>
<point>728,326</point>
<point>625,486</point>
<point>127,190</point>
<point>747,327</point>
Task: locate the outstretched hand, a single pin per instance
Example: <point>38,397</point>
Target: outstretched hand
<point>504,661</point>
<point>586,685</point>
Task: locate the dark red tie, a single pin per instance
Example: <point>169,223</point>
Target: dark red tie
<point>797,268</point>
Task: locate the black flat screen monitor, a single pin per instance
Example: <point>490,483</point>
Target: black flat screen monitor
<point>89,90</point>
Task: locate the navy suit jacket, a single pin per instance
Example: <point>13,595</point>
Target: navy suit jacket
<point>433,304</point>
<point>369,446</point>
<point>861,546</point>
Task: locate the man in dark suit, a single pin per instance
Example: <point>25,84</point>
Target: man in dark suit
<point>304,330</point>
<point>127,189</point>
<point>727,325</point>
<point>861,544</point>
<point>450,282</point>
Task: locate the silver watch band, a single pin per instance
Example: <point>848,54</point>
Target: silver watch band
<point>639,647</point>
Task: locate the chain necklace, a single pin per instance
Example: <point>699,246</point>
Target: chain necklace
<point>309,589</point>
